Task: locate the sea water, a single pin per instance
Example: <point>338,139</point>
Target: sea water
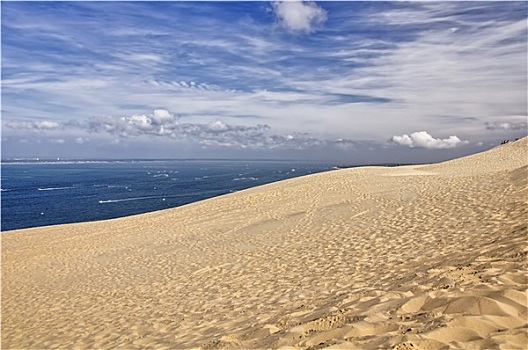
<point>48,193</point>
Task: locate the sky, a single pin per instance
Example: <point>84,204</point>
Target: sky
<point>349,82</point>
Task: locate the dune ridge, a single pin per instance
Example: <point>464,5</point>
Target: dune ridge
<point>413,257</point>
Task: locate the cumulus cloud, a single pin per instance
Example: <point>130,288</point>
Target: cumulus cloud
<point>299,16</point>
<point>422,139</point>
<point>162,116</point>
<point>162,123</point>
<point>46,124</point>
<point>216,133</point>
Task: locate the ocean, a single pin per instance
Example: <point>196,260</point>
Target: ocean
<point>48,193</point>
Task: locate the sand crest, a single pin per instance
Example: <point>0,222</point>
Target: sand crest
<point>418,257</point>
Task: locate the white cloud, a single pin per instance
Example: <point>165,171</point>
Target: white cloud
<point>422,139</point>
<point>58,141</point>
<point>218,126</point>
<point>162,123</point>
<point>299,16</point>
<point>36,125</point>
<point>139,121</point>
<point>46,124</point>
<point>141,57</point>
<point>161,116</point>
<point>506,126</point>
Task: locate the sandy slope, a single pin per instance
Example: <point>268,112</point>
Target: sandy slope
<point>420,257</point>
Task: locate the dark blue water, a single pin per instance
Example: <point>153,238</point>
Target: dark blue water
<point>40,194</point>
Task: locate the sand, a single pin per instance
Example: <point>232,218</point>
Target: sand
<point>413,257</point>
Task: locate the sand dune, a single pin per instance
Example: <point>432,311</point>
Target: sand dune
<point>414,257</point>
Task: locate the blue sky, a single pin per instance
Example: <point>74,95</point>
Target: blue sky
<point>355,82</point>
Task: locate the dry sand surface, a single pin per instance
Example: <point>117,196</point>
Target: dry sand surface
<point>414,257</point>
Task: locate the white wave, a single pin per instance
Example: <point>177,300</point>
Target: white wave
<point>165,175</point>
<point>129,199</point>
<point>251,178</point>
<point>54,188</point>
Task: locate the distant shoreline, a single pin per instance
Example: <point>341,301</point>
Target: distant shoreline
<point>99,161</point>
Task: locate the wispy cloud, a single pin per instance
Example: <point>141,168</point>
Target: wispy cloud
<point>509,123</point>
<point>327,70</point>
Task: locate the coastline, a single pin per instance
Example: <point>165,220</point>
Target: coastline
<point>34,196</point>
<point>423,256</point>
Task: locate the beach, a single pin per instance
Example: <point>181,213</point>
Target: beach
<point>410,257</point>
